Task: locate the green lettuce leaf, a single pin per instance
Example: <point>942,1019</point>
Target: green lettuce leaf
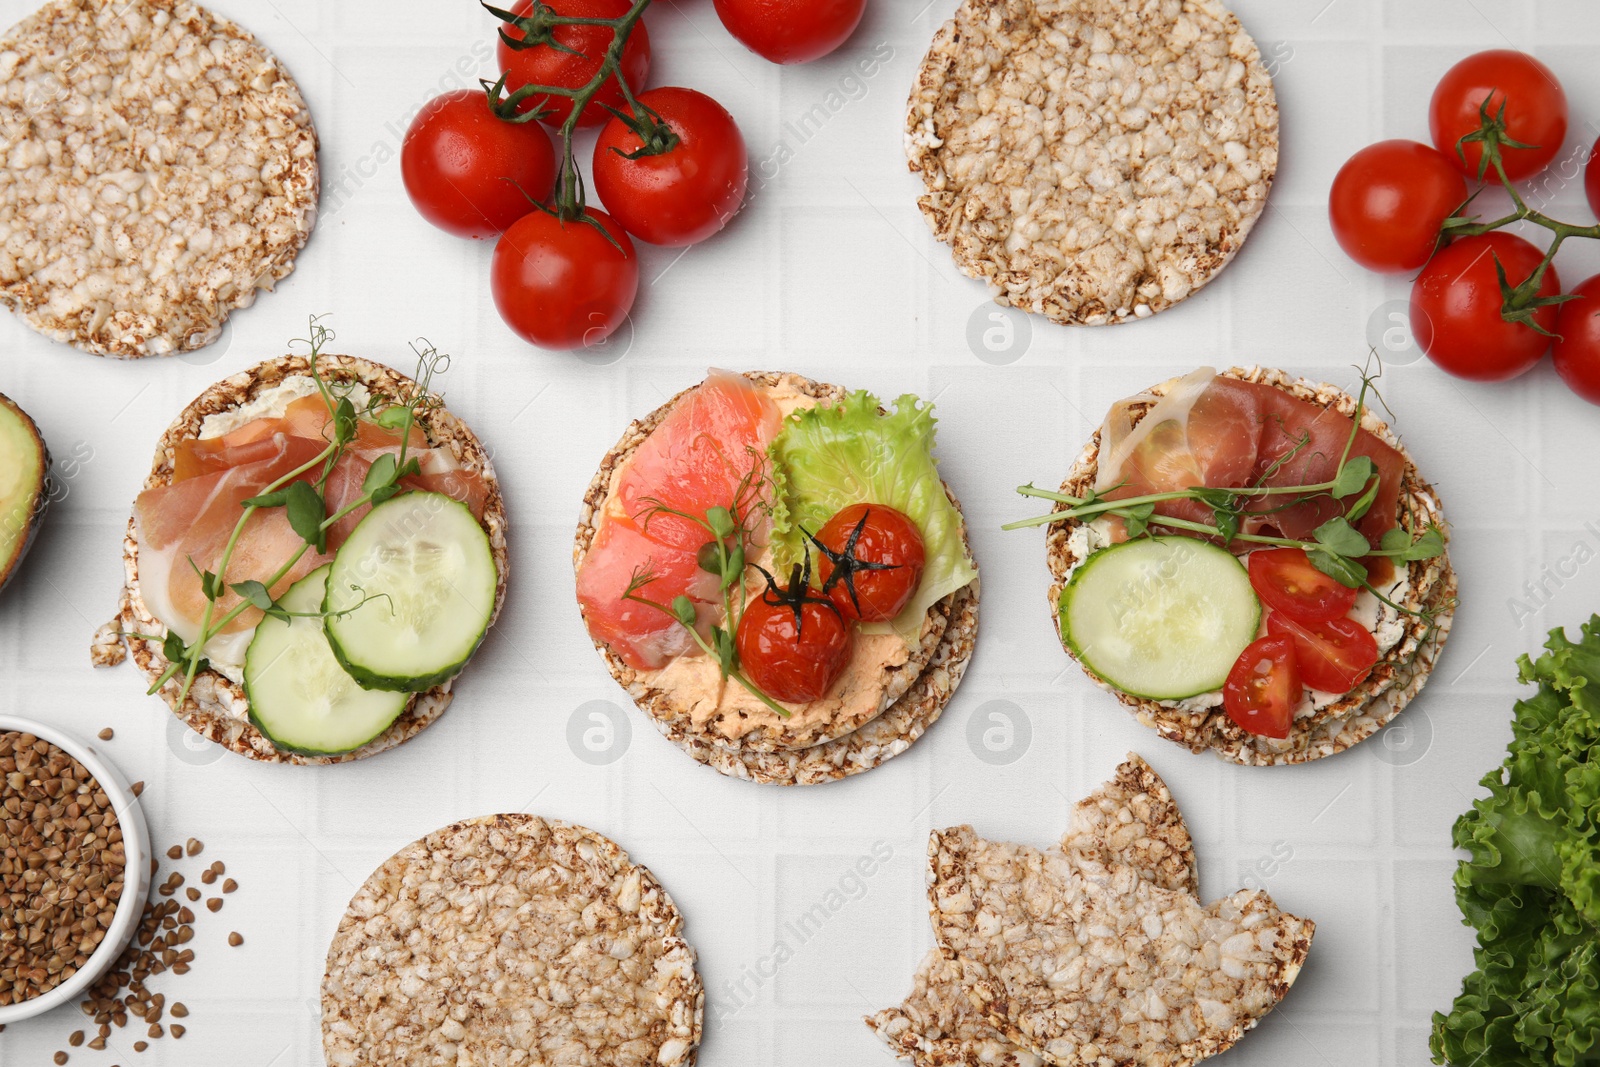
<point>1532,885</point>
<point>827,458</point>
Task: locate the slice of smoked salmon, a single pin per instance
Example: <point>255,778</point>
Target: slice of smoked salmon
<point>698,458</point>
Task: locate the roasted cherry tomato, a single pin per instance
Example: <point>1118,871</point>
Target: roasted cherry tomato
<point>1264,688</point>
<point>1577,348</point>
<point>563,284</point>
<point>1456,302</point>
<point>791,31</point>
<point>470,173</point>
<point>1333,655</point>
<point>1591,179</point>
<point>1388,203</point>
<point>577,61</point>
<point>687,192</point>
<point>1286,580</point>
<point>1536,111</point>
<point>870,561</point>
<point>793,643</point>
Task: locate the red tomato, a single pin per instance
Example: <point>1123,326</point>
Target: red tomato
<point>1591,179</point>
<point>1388,203</point>
<point>791,31</point>
<point>1536,111</point>
<point>470,173</point>
<point>1333,656</point>
<point>1456,302</point>
<point>871,561</point>
<point>1577,349</point>
<point>562,284</point>
<point>1286,580</point>
<point>794,652</point>
<point>1264,687</point>
<point>685,194</point>
<point>544,65</point>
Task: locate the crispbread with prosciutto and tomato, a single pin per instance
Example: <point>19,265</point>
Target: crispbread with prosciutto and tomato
<point>1332,724</point>
<point>216,707</point>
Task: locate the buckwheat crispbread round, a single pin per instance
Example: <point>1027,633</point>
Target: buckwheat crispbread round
<point>161,169</point>
<point>511,940</point>
<point>1400,673</point>
<point>913,697</point>
<point>1094,161</point>
<point>1098,963</point>
<point>216,707</point>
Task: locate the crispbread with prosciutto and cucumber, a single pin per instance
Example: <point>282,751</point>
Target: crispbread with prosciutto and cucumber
<point>885,597</point>
<point>250,433</point>
<point>1242,435</point>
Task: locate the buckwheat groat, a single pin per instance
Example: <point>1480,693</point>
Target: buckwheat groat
<point>511,940</point>
<point>1093,160</point>
<point>160,169</point>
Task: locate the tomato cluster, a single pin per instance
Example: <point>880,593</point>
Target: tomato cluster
<point>1486,304</point>
<point>1310,641</point>
<point>669,164</point>
<point>794,641</point>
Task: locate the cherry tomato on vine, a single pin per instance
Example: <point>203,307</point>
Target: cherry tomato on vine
<point>687,192</point>
<point>1536,111</point>
<point>1577,349</point>
<point>1287,581</point>
<point>563,284</point>
<point>870,561</point>
<point>794,651</point>
<point>1591,179</point>
<point>1456,308</point>
<point>545,65</point>
<point>791,31</point>
<point>470,173</point>
<point>1388,202</point>
<point>1264,688</point>
<point>1332,656</point>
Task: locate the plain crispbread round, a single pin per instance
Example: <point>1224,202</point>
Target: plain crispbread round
<point>143,93</point>
<point>415,972</point>
<point>914,700</point>
<point>1016,126</point>
<point>1400,673</point>
<point>216,708</point>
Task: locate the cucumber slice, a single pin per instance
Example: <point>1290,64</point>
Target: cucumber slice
<point>1160,617</point>
<point>423,565</point>
<point>299,695</point>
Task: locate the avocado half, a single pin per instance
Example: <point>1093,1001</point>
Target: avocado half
<point>24,486</point>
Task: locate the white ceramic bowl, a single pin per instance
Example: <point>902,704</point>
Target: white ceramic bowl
<point>136,879</point>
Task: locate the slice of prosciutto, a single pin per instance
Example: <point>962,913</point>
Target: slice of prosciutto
<point>1211,430</point>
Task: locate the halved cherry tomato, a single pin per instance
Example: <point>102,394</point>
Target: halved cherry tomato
<point>1287,581</point>
<point>1333,656</point>
<point>1264,687</point>
<point>1535,103</point>
<point>871,561</point>
<point>794,650</point>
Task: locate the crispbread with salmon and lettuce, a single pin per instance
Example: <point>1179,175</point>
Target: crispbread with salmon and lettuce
<point>763,463</point>
<point>328,484</point>
<point>1247,568</point>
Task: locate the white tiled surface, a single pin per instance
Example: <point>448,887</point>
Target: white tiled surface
<point>830,273</point>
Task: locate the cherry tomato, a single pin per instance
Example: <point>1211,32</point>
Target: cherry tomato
<point>1456,302</point>
<point>682,195</point>
<point>794,652</point>
<point>1264,688</point>
<point>871,561</point>
<point>562,284</point>
<point>1577,349</point>
<point>791,31</point>
<point>1388,203</point>
<point>1333,655</point>
<point>1536,111</point>
<point>470,173</point>
<point>1591,179</point>
<point>544,65</point>
<point>1286,580</point>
